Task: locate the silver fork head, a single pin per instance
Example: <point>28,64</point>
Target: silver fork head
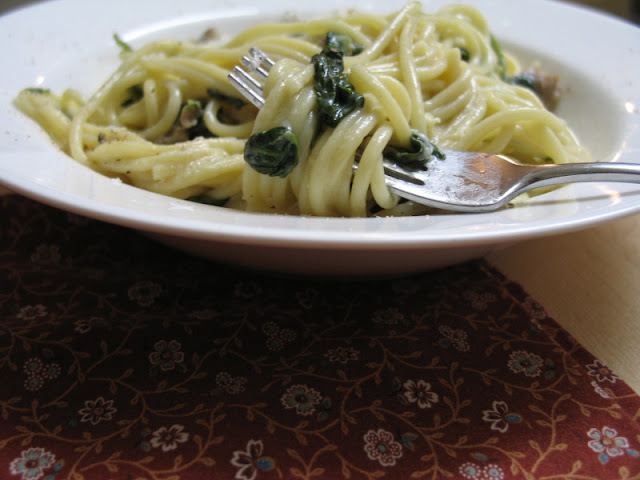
<point>249,82</point>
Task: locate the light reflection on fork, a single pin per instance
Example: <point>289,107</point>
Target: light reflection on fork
<point>249,82</point>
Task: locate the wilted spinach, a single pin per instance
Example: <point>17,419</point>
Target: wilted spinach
<point>191,120</point>
<point>526,80</point>
<point>419,153</point>
<point>335,95</point>
<point>134,95</point>
<point>38,90</point>
<point>341,42</point>
<point>465,55</point>
<point>124,46</point>
<point>273,152</point>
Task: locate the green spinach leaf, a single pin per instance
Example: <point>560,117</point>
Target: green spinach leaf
<point>420,152</point>
<point>341,42</point>
<point>124,46</point>
<point>465,55</point>
<point>273,152</point>
<point>135,94</point>
<point>191,120</point>
<point>527,80</point>
<point>335,95</point>
<point>38,90</point>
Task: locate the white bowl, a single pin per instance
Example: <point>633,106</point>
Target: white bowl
<point>597,57</point>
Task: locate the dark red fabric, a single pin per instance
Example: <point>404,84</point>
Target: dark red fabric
<point>123,359</point>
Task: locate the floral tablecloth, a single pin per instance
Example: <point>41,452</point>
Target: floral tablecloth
<point>123,359</point>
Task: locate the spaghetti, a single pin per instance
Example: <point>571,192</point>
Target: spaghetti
<point>169,121</point>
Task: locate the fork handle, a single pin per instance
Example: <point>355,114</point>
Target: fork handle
<point>548,175</point>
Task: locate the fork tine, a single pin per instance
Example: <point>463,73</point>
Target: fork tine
<point>254,67</point>
<point>399,172</point>
<point>255,84</point>
<point>248,86</point>
<point>258,65</point>
<point>258,62</point>
<point>263,57</point>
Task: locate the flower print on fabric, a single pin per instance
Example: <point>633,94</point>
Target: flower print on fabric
<point>534,309</point>
<point>167,355</point>
<point>38,372</point>
<point>380,445</point>
<point>453,337</point>
<point>388,316</point>
<point>470,470</point>
<point>169,438</point>
<point>251,461</point>
<point>32,463</point>
<point>419,392</point>
<point>95,411</point>
<point>33,366</point>
<point>342,354</point>
<point>32,312</point>
<point>492,472</point>
<point>473,471</point>
<point>144,293</point>
<point>277,337</point>
<point>51,371</point>
<point>34,383</point>
<point>607,444</point>
<point>602,373</point>
<point>230,384</point>
<point>549,369</point>
<point>144,443</point>
<point>480,301</point>
<point>301,398</point>
<point>599,390</point>
<point>500,417</point>
<point>525,362</point>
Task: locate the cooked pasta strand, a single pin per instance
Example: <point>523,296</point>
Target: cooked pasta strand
<point>168,120</point>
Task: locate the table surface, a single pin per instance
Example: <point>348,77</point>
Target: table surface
<point>588,281</point>
<point>121,356</point>
<point>594,292</point>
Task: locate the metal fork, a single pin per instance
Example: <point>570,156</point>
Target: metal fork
<point>462,181</point>
<point>249,83</point>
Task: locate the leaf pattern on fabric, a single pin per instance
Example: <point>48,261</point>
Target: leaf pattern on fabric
<point>121,358</point>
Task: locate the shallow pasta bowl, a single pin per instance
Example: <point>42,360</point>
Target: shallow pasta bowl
<point>599,64</point>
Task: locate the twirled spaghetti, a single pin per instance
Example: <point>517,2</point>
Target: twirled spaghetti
<point>169,121</point>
